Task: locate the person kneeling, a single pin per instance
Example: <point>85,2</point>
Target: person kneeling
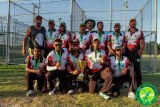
<point>35,68</point>
<point>122,72</point>
<point>97,63</point>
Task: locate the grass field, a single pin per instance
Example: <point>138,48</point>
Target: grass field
<point>13,93</point>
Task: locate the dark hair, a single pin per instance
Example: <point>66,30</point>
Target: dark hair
<point>37,47</point>
<point>58,40</point>
<point>99,23</point>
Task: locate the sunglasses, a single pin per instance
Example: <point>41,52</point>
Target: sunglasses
<point>60,45</point>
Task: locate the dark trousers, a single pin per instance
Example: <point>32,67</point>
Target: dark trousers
<point>106,76</point>
<point>52,75</point>
<point>118,81</point>
<point>30,77</point>
<point>135,60</point>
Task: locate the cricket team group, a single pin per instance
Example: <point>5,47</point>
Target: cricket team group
<point>88,60</point>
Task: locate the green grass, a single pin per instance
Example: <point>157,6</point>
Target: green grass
<point>13,91</point>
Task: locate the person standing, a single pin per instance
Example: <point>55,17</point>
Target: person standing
<point>52,34</point>
<point>90,24</point>
<point>36,35</point>
<point>135,46</point>
<point>116,39</point>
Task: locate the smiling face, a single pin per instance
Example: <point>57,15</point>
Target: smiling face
<point>96,44</point>
<point>132,24</point>
<point>117,28</point>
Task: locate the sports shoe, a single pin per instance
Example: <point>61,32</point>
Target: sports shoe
<point>131,95</point>
<point>70,92</point>
<point>51,92</point>
<point>105,96</point>
<point>30,93</point>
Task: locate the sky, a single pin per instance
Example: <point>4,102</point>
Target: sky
<point>60,9</point>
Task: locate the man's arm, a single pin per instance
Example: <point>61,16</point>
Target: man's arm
<point>28,32</point>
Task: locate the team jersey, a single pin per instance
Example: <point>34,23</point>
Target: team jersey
<point>103,39</point>
<point>114,40</point>
<point>66,38</point>
<point>133,40</point>
<point>84,40</point>
<point>90,32</point>
<point>74,62</point>
<point>51,36</point>
<point>35,63</point>
<point>118,65</point>
<point>93,59</point>
<point>54,57</point>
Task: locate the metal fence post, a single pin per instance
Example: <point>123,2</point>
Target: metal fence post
<point>71,14</point>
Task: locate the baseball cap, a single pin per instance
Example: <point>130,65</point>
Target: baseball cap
<point>51,21</point>
<point>117,24</point>
<point>118,47</point>
<point>62,24</point>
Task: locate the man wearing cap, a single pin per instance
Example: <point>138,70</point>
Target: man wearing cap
<point>56,62</point>
<point>97,62</point>
<point>37,35</point>
<point>83,38</point>
<point>52,34</point>
<point>90,24</point>
<point>101,35</point>
<point>122,72</point>
<point>135,45</point>
<point>64,35</point>
<point>116,39</point>
<point>73,66</point>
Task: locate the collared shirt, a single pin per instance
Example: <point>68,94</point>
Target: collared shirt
<point>51,36</point>
<point>93,59</point>
<point>133,40</point>
<point>54,57</point>
<point>40,63</point>
<point>73,61</point>
<point>116,40</point>
<point>118,65</point>
<point>102,37</point>
<point>84,39</point>
<point>66,38</point>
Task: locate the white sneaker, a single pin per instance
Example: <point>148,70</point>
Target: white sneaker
<point>30,93</point>
<point>131,95</point>
<point>70,92</point>
<point>52,92</point>
<point>35,84</point>
<point>105,96</point>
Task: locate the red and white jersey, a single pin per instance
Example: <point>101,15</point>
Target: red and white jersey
<point>73,61</point>
<point>84,40</point>
<point>102,38</point>
<point>133,40</point>
<point>51,36</point>
<point>90,32</point>
<point>31,61</point>
<point>115,40</point>
<point>118,65</point>
<point>53,57</point>
<point>93,59</point>
<point>66,38</point>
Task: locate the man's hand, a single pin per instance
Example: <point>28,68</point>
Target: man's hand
<point>112,52</point>
<point>75,72</point>
<point>23,52</point>
<point>124,71</point>
<point>39,72</point>
<point>58,65</point>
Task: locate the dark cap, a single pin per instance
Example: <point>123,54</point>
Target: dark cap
<point>51,21</point>
<point>62,24</point>
<point>117,24</point>
<point>38,17</point>
<point>118,47</point>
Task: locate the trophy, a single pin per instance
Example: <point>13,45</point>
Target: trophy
<point>82,65</point>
